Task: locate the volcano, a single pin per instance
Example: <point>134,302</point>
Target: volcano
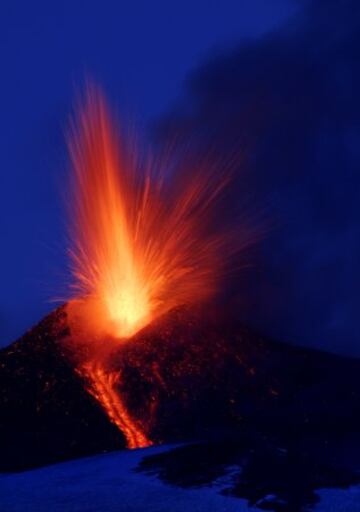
<point>143,350</point>
<point>189,375</point>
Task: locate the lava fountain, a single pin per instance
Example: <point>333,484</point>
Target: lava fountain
<point>143,241</point>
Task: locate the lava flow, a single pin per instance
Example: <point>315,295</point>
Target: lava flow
<point>143,241</point>
<point>102,387</point>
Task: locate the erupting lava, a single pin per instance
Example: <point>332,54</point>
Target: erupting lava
<point>141,239</point>
<point>143,242</point>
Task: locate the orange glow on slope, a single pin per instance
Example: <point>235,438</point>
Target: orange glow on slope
<point>141,242</point>
<point>102,387</point>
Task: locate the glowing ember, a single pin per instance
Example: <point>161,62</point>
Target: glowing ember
<point>143,242</point>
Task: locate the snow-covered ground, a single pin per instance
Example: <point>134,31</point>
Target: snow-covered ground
<point>108,483</point>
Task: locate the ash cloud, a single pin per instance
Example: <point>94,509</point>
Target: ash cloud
<point>290,100</point>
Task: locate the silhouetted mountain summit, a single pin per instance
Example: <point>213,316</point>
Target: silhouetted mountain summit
<point>186,376</point>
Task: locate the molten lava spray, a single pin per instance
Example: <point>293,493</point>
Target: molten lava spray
<point>142,243</point>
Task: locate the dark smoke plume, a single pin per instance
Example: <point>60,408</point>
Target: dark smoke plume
<point>290,101</point>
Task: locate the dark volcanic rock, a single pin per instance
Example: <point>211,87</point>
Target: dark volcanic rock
<point>215,374</point>
<point>186,376</point>
<point>45,413</point>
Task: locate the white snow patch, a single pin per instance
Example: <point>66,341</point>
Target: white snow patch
<point>339,500</point>
<point>106,483</point>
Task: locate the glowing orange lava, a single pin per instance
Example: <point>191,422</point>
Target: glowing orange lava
<point>142,243</point>
<point>102,387</point>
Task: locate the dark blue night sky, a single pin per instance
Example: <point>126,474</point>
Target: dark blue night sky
<point>283,73</point>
